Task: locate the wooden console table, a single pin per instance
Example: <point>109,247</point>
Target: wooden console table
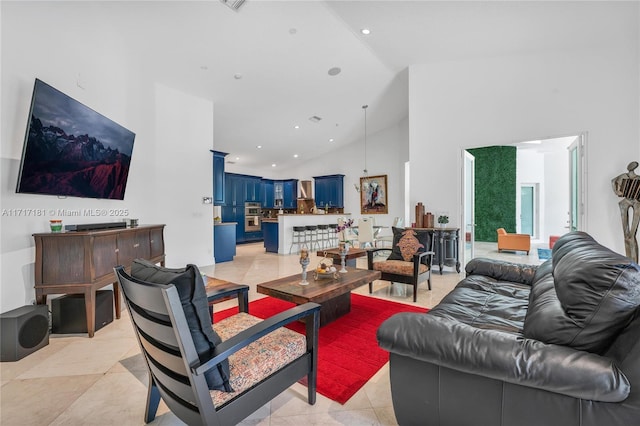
<point>445,247</point>
<point>82,262</point>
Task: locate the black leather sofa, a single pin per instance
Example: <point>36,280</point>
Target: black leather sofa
<point>513,344</point>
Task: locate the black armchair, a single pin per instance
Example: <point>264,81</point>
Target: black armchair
<point>178,371</point>
<point>396,268</point>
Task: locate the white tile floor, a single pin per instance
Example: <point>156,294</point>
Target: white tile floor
<point>102,381</point>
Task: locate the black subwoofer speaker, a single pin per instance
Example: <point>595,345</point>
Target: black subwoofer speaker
<point>24,330</point>
<point>68,314</point>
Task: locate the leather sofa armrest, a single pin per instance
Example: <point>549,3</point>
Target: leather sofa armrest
<point>503,356</point>
<point>501,270</point>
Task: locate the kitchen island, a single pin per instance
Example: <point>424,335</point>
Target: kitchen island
<point>285,224</point>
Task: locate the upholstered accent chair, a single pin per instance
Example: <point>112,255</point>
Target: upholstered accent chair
<point>410,259</point>
<point>207,376</point>
<point>513,242</point>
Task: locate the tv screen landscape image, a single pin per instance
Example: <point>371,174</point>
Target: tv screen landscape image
<point>72,150</point>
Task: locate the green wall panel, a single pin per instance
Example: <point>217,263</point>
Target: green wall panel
<point>495,191</point>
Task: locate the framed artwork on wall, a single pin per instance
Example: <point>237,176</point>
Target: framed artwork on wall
<point>373,195</point>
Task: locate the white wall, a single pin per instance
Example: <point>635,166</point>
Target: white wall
<point>496,101</point>
<point>171,162</point>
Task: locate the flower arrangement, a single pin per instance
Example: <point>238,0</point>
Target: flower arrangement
<point>342,228</point>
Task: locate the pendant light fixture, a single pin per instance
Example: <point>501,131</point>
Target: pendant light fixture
<point>364,181</point>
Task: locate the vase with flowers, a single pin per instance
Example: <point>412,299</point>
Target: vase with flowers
<point>342,231</point>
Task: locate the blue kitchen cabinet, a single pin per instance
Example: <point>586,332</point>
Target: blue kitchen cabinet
<point>218,178</point>
<point>235,214</point>
<point>268,194</point>
<point>224,241</point>
<point>329,191</point>
<point>290,194</point>
<point>252,188</point>
<point>270,234</point>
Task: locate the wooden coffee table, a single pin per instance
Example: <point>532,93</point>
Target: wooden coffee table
<point>333,295</point>
<point>350,258</point>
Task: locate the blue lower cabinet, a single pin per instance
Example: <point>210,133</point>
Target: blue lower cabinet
<point>270,234</point>
<point>224,241</point>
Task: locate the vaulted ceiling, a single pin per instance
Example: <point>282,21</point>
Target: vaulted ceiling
<point>266,66</point>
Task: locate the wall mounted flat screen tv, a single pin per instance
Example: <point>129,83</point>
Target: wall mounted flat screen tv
<point>72,150</point>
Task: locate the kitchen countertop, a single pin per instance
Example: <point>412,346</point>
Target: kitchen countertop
<point>224,223</point>
<point>270,220</point>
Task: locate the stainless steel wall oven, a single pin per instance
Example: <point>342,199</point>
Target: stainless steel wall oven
<point>252,217</point>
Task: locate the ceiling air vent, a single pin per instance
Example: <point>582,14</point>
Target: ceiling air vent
<point>315,119</point>
<point>233,4</point>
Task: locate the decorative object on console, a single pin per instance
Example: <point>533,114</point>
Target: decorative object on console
<point>72,150</point>
<point>419,215</point>
<point>627,186</point>
<point>428,221</point>
<point>55,225</point>
<point>443,219</point>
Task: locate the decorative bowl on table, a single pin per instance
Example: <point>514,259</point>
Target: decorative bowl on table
<point>329,272</point>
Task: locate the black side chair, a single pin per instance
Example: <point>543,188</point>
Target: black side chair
<point>177,374</point>
<point>412,272</point>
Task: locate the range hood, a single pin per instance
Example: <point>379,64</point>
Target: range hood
<point>305,190</point>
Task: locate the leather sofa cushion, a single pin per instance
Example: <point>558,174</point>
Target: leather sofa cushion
<point>486,303</point>
<point>588,296</point>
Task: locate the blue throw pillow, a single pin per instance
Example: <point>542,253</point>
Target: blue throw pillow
<point>193,296</point>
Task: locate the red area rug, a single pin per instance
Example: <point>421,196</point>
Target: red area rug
<point>348,354</point>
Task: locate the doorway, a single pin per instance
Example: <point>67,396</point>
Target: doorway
<point>529,213</point>
<point>551,176</point>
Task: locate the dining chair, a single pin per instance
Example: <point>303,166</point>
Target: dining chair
<point>382,240</point>
<point>365,232</point>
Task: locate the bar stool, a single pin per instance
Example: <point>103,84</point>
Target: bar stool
<point>333,235</point>
<point>323,236</point>
<point>312,236</point>
<point>299,237</point>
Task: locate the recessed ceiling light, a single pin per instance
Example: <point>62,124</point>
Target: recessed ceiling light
<point>296,127</point>
<point>204,67</point>
<point>330,139</point>
<point>334,71</point>
<point>237,76</point>
<point>295,155</point>
<point>365,31</point>
<point>259,146</point>
<point>237,158</point>
<point>273,165</point>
